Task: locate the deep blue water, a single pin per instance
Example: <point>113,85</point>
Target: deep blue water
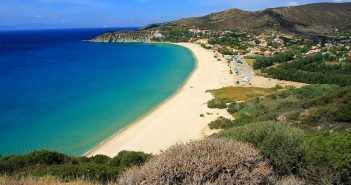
<point>61,94</point>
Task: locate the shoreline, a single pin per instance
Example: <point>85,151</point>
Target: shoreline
<point>93,150</point>
<point>137,136</point>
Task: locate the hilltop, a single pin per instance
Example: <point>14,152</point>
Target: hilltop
<point>305,20</point>
<point>315,18</point>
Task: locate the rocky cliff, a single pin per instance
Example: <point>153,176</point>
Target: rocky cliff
<point>126,36</point>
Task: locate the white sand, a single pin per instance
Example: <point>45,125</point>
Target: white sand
<point>178,119</point>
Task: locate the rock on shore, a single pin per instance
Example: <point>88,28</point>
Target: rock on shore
<point>126,36</point>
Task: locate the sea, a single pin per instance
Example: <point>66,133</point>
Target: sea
<point>61,93</point>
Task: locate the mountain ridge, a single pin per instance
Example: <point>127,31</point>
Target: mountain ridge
<point>317,18</point>
<point>305,20</point>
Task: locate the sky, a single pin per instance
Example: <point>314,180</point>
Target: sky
<point>47,14</point>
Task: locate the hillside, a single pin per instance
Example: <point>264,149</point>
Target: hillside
<point>305,20</point>
<point>312,18</point>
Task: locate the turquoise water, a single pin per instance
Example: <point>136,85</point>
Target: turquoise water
<point>69,96</point>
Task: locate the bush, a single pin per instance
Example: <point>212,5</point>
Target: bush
<point>99,168</point>
<point>45,157</point>
<point>127,159</point>
<point>233,108</point>
<point>329,158</point>
<point>89,171</point>
<point>221,123</point>
<point>282,144</point>
<point>310,69</point>
<point>47,180</point>
<point>343,114</point>
<point>100,159</point>
<point>262,62</point>
<point>291,180</point>
<point>216,104</point>
<point>204,162</point>
<point>225,51</point>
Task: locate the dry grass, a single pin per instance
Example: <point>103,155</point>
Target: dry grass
<point>250,62</point>
<point>241,93</point>
<point>47,180</point>
<point>291,180</point>
<point>204,162</point>
<point>331,63</point>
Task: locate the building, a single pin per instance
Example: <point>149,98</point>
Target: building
<point>158,36</point>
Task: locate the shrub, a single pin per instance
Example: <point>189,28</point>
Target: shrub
<point>221,123</point>
<point>262,62</point>
<point>329,158</point>
<point>45,157</point>
<point>90,171</point>
<point>97,169</point>
<point>100,159</point>
<point>343,114</point>
<point>225,51</point>
<point>204,162</point>
<point>47,180</point>
<point>216,104</point>
<point>233,108</point>
<point>291,180</point>
<point>282,144</point>
<point>127,159</point>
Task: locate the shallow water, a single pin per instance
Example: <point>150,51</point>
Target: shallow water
<point>61,94</point>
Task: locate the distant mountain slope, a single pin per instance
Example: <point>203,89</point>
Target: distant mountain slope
<point>312,18</point>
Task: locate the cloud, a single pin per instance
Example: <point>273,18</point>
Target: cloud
<point>293,3</point>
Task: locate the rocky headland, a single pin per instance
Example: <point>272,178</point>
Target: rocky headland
<point>126,36</point>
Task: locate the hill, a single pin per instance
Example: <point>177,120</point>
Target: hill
<point>315,18</point>
<point>306,20</point>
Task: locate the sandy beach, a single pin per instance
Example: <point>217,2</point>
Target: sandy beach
<point>177,119</point>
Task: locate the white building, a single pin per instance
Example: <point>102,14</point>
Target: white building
<point>158,36</point>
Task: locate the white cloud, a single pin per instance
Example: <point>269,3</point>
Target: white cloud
<point>293,3</point>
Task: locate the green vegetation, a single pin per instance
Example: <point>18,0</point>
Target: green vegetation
<point>233,108</point>
<point>329,155</point>
<point>46,180</point>
<point>234,39</point>
<point>221,123</point>
<point>225,51</point>
<point>315,108</point>
<point>311,138</point>
<point>97,169</point>
<point>313,70</point>
<point>343,114</point>
<point>175,35</point>
<point>283,145</point>
<point>262,62</point>
<point>217,104</point>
